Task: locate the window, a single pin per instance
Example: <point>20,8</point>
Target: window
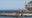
<point>28,9</point>
<point>26,5</point>
<point>31,9</point>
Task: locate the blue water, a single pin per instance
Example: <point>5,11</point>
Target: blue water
<point>14,17</point>
<point>8,11</point>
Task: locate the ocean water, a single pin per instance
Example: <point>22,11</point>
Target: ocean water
<point>14,17</point>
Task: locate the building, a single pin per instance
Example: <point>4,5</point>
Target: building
<point>29,6</point>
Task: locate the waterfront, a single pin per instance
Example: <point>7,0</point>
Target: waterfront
<point>13,17</point>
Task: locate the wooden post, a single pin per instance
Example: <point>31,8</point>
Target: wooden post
<point>17,13</point>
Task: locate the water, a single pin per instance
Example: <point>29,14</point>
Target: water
<point>13,17</point>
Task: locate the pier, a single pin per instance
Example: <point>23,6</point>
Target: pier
<point>9,14</point>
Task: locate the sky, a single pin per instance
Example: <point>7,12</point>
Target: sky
<point>12,4</point>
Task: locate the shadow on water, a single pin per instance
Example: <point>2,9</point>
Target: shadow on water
<point>27,16</point>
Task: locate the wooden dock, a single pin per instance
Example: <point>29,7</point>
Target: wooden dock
<point>9,14</point>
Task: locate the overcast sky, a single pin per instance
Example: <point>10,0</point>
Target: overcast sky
<point>12,4</point>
